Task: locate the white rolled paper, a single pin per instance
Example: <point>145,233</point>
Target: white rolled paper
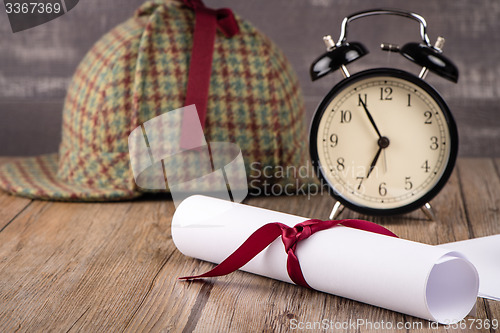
<point>404,276</point>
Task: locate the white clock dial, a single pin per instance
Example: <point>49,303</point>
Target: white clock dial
<point>383,142</point>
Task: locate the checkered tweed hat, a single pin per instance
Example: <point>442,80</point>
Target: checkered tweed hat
<point>139,69</point>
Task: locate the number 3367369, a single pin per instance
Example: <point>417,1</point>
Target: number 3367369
<point>32,8</point>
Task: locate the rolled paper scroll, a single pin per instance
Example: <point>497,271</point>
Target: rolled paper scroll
<point>404,276</point>
<point>484,253</point>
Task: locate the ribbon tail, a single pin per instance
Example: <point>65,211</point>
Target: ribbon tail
<point>200,70</point>
<point>257,242</point>
<point>294,270</point>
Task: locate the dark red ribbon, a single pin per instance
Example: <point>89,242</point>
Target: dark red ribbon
<point>266,234</point>
<point>200,66</point>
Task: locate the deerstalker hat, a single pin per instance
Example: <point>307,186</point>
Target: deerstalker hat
<point>139,70</point>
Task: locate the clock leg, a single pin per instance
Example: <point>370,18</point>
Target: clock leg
<point>338,208</point>
<point>429,212</point>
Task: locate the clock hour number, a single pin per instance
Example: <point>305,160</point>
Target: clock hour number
<point>360,179</point>
<point>426,166</point>
<point>362,100</point>
<point>345,116</point>
<point>409,100</point>
<point>334,140</point>
<point>382,190</point>
<point>434,143</point>
<point>408,183</point>
<point>385,94</point>
<point>340,164</point>
<point>428,116</point>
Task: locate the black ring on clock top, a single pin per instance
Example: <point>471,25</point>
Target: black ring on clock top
<point>390,72</point>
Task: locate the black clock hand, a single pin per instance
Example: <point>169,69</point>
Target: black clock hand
<point>370,118</point>
<point>372,166</point>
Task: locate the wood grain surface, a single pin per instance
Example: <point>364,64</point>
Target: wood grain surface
<point>112,267</point>
<point>28,78</point>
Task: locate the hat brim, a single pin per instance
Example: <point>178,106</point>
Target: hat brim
<point>36,178</point>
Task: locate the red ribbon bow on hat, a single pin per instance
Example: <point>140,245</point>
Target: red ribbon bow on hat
<point>200,66</point>
<point>224,16</point>
<point>266,234</point>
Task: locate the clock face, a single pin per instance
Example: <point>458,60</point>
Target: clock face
<point>384,141</point>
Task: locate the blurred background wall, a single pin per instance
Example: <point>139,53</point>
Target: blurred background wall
<point>37,64</point>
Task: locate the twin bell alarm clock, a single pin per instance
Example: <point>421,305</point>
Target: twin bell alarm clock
<point>383,140</point>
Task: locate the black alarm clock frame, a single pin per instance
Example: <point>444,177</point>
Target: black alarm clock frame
<point>327,168</point>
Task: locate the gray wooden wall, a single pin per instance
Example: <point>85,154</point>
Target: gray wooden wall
<point>36,65</point>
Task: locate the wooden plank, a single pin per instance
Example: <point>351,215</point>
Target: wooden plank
<point>173,305</point>
<point>72,266</point>
<point>114,267</point>
<point>480,182</point>
<point>10,206</point>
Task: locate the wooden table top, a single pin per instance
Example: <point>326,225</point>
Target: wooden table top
<point>113,266</point>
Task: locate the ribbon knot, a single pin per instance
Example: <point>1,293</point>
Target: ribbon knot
<point>290,237</point>
<point>224,16</point>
